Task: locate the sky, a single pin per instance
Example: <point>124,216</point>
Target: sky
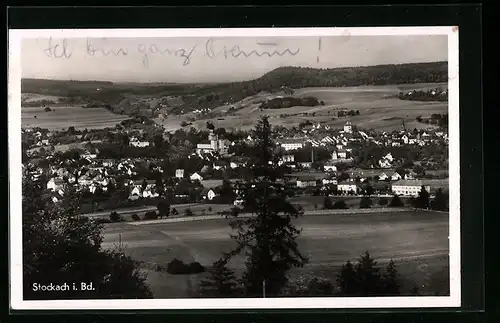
<point>192,60</point>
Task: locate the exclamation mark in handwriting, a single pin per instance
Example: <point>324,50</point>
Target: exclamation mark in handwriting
<point>319,49</point>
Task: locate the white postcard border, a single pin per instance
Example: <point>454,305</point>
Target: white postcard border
<point>15,174</point>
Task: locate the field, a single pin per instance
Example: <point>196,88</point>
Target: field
<point>64,117</point>
<point>416,241</point>
<point>378,108</point>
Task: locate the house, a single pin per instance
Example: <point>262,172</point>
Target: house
<point>288,158</point>
<point>347,188</point>
<point>139,144</point>
<point>208,194</point>
<point>305,164</point>
<point>409,175</point>
<point>329,168</point>
<point>196,177</point>
<point>55,184</point>
<point>306,181</point>
<point>342,154</point>
<point>213,145</point>
<point>396,176</point>
<point>384,163</point>
<point>335,156</point>
<point>204,169</point>
<point>408,187</point>
<point>179,173</point>
<point>329,181</point>
<point>292,144</point>
<point>348,127</point>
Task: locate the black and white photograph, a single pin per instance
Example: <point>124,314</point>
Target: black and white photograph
<point>234,168</point>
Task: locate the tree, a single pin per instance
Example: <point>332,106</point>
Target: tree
<point>327,203</point>
<point>221,282</point>
<point>390,280</point>
<point>61,247</point>
<point>440,202</point>
<point>269,238</point>
<point>396,201</point>
<point>158,141</point>
<point>368,275</point>
<point>383,201</point>
<point>227,194</point>
<point>188,212</point>
<point>115,217</point>
<point>125,140</point>
<point>340,204</point>
<point>174,211</point>
<point>365,203</point>
<point>163,208</point>
<point>160,187</point>
<point>347,280</point>
<point>369,190</point>
<point>422,200</point>
<point>144,185</point>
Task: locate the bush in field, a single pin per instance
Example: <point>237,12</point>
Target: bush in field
<point>188,212</point>
<point>151,215</point>
<point>383,201</point>
<point>340,204</point>
<point>174,211</point>
<point>396,201</point>
<point>209,209</point>
<point>135,217</point>
<point>115,217</point>
<point>178,267</point>
<point>327,203</point>
<point>365,203</point>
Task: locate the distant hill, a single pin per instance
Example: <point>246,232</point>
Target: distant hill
<point>203,96</point>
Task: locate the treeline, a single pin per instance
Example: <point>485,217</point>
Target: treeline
<point>209,96</point>
<point>288,102</point>
<point>437,94</point>
<point>437,119</point>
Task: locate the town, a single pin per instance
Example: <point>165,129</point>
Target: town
<point>139,164</point>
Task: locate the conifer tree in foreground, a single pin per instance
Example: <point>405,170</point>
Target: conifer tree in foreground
<point>440,202</point>
<point>268,239</point>
<point>390,280</point>
<point>221,282</point>
<point>61,247</point>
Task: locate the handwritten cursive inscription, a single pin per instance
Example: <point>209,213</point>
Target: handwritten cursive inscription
<point>57,49</point>
<point>236,52</point>
<point>91,50</point>
<point>153,49</point>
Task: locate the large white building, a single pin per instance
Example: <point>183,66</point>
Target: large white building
<point>292,144</point>
<point>347,187</point>
<point>409,187</point>
<point>214,144</point>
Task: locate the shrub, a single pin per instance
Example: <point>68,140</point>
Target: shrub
<point>115,217</point>
<point>174,212</point>
<point>209,209</point>
<point>196,268</point>
<point>383,201</point>
<point>396,201</point>
<point>151,215</point>
<point>47,109</point>
<point>340,204</point>
<point>188,212</point>
<point>135,217</point>
<point>102,220</point>
<point>178,267</point>
<point>365,203</point>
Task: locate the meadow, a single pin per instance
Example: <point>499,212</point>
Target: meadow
<point>417,241</point>
<point>379,109</point>
<point>61,118</point>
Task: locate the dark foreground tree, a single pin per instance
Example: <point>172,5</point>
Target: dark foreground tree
<point>365,203</point>
<point>423,199</point>
<point>268,239</point>
<point>327,203</point>
<point>62,249</point>
<point>396,201</point>
<point>221,282</point>
<point>163,208</point>
<point>390,280</point>
<point>340,204</point>
<point>440,201</point>
<point>365,279</point>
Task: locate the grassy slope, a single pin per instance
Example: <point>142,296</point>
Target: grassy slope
<point>417,241</point>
